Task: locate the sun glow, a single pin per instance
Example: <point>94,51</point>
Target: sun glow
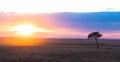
<point>27,29</point>
<point>25,35</point>
<point>19,41</point>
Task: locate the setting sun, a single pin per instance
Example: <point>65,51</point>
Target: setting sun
<point>24,33</point>
<point>26,29</point>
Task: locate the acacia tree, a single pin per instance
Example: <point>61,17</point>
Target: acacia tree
<point>95,35</point>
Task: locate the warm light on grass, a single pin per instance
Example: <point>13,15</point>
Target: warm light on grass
<point>25,35</point>
<point>23,41</point>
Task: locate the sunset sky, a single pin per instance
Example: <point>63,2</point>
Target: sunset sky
<point>61,18</point>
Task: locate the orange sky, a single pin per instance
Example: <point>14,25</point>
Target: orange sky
<point>41,21</point>
<point>29,13</point>
<point>47,22</point>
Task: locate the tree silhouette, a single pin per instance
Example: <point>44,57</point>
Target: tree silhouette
<point>95,35</point>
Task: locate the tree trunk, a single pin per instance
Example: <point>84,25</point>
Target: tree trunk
<point>97,42</point>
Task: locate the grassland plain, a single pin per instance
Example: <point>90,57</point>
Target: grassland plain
<point>62,51</point>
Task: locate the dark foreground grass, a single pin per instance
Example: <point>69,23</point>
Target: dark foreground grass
<point>59,54</point>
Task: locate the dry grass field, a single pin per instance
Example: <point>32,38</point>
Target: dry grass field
<point>63,50</point>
